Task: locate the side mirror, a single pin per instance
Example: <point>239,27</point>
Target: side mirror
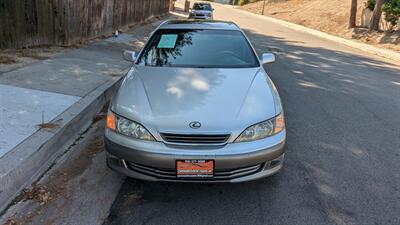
<point>129,55</point>
<point>267,58</point>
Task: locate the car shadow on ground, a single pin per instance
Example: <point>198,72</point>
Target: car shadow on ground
<point>335,102</point>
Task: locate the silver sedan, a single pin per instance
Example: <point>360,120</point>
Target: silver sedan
<point>196,106</point>
<point>201,10</point>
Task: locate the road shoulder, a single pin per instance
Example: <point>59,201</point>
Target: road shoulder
<point>77,189</point>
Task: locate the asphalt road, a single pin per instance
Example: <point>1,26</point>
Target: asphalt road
<point>343,151</point>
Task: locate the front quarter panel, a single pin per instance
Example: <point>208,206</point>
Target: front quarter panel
<point>131,99</point>
<point>259,103</point>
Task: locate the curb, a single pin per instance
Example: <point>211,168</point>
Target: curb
<point>354,44</point>
<point>35,155</point>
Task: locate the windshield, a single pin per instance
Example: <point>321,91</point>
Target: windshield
<point>198,48</point>
<point>202,7</point>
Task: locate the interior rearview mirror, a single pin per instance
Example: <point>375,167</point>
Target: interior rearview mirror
<point>267,58</point>
<point>129,55</point>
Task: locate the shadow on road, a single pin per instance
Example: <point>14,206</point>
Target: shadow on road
<point>343,127</point>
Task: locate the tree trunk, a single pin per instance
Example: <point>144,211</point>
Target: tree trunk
<point>263,8</point>
<point>376,16</point>
<point>353,14</point>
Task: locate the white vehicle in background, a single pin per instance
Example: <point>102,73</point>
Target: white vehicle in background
<point>201,10</point>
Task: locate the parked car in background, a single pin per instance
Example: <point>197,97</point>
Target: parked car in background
<point>196,106</point>
<point>201,10</point>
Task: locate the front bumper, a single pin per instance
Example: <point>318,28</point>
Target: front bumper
<point>156,161</point>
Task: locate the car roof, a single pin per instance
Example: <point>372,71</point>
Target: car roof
<point>199,24</point>
<point>202,3</point>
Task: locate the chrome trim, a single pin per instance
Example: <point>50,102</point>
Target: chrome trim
<point>218,175</point>
<point>197,139</point>
<point>124,163</point>
<point>240,170</point>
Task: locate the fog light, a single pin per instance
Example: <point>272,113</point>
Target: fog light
<point>277,161</point>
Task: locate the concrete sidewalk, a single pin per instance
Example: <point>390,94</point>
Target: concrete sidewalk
<point>46,105</point>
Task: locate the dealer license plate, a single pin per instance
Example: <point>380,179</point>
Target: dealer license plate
<point>194,168</point>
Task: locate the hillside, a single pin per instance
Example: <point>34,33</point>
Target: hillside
<point>327,16</point>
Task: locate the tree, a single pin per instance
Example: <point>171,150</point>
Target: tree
<point>353,14</point>
<point>376,16</point>
<point>243,2</point>
<point>391,8</point>
<point>263,8</point>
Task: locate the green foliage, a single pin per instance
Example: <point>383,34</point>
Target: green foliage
<point>243,2</point>
<point>371,4</point>
<point>392,11</point>
<point>391,8</point>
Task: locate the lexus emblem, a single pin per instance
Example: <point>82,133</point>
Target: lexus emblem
<point>195,125</point>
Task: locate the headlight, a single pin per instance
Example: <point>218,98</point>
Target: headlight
<point>127,127</point>
<point>263,129</point>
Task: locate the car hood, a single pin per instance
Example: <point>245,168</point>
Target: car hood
<point>167,99</point>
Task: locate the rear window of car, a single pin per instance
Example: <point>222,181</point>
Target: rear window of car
<point>198,48</point>
<point>197,6</point>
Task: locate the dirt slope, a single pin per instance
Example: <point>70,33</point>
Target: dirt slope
<point>327,16</point>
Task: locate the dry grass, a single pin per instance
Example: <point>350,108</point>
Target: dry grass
<point>37,193</point>
<point>32,54</point>
<point>48,125</point>
<point>5,59</point>
<point>99,117</point>
<point>327,16</point>
<point>11,59</point>
<point>12,221</point>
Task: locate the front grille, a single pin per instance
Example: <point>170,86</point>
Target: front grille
<point>218,174</point>
<point>195,138</point>
<point>200,15</point>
